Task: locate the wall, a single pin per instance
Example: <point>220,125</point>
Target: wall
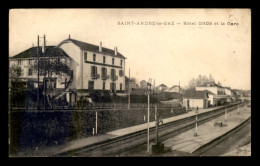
<point>194,103</point>
<point>98,83</point>
<point>211,89</point>
<point>74,52</point>
<point>228,92</point>
<point>31,129</point>
<point>78,55</point>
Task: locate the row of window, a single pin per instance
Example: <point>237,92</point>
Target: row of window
<point>221,93</point>
<point>30,72</point>
<point>104,59</point>
<point>104,75</point>
<point>30,61</point>
<point>112,86</point>
<point>20,62</point>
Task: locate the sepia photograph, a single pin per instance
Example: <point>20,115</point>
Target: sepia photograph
<point>140,82</point>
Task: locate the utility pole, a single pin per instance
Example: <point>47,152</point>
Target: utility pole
<point>44,81</point>
<point>153,85</point>
<point>129,90</point>
<point>156,123</point>
<point>226,114</point>
<point>96,121</point>
<point>148,122</point>
<point>196,126</point>
<point>38,90</point>
<point>148,115</point>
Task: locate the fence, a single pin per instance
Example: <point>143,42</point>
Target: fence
<point>96,106</point>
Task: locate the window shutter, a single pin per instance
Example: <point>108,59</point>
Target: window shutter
<point>95,71</point>
<point>85,56</point>
<point>92,71</point>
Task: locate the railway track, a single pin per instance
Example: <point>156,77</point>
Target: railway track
<point>124,145</point>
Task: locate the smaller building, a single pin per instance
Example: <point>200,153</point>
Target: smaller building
<point>162,87</point>
<point>194,99</point>
<point>175,88</point>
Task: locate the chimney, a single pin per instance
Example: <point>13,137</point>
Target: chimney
<point>69,36</point>
<point>115,50</point>
<point>100,47</point>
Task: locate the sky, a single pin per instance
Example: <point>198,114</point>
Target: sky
<point>167,53</point>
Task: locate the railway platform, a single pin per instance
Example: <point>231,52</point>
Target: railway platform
<point>186,143</point>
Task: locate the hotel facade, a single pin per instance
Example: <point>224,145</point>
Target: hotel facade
<point>94,68</point>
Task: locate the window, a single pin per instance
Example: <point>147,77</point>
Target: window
<point>93,71</point>
<point>30,62</point>
<point>121,63</point>
<point>113,87</point>
<point>104,73</point>
<point>104,59</point>
<point>113,61</point>
<point>113,72</point>
<point>113,75</point>
<point>19,62</point>
<point>30,72</point>
<point>91,85</point>
<point>85,56</point>
<point>54,84</point>
<point>104,85</point>
<point>121,73</point>
<point>121,85</point>
<point>94,57</point>
<point>19,72</point>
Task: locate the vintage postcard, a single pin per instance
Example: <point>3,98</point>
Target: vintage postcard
<point>129,82</point>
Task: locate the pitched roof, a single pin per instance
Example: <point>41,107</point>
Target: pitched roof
<point>50,51</point>
<point>212,84</point>
<point>208,92</point>
<point>94,48</point>
<point>195,94</point>
<point>162,85</point>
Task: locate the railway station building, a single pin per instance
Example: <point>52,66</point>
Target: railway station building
<point>219,93</point>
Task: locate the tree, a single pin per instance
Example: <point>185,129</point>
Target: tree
<point>16,86</point>
<point>52,67</point>
<point>200,80</point>
<point>15,72</point>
